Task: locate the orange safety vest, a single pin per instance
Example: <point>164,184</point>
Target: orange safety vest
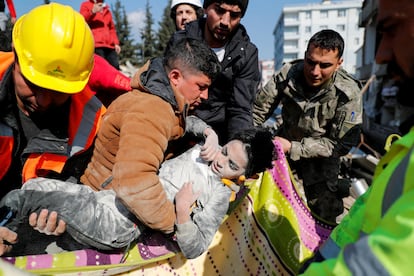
<point>6,148</point>
<point>85,116</point>
<point>6,59</point>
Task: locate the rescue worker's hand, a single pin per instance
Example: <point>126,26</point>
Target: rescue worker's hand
<point>117,49</point>
<point>184,201</point>
<point>7,239</point>
<point>47,223</point>
<point>211,145</point>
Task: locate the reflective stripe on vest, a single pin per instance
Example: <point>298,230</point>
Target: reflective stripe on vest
<point>330,249</point>
<point>393,192</point>
<point>361,261</point>
<point>85,114</point>
<point>86,111</point>
<point>6,148</point>
<point>366,262</point>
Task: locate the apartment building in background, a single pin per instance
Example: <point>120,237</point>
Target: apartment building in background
<point>297,23</point>
<point>267,69</point>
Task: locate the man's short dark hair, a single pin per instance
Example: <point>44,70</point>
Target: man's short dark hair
<point>241,3</point>
<point>188,54</point>
<point>259,147</point>
<point>328,40</point>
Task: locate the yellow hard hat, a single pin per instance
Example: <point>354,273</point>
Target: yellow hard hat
<point>55,48</point>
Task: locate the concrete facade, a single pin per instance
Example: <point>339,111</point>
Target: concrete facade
<point>297,23</point>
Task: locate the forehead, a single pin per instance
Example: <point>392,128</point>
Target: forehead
<point>182,7</point>
<point>321,54</point>
<point>237,152</point>
<point>195,76</point>
<point>227,7</point>
<point>391,13</point>
<point>393,8</point>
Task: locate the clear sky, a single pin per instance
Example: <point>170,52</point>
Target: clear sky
<point>260,19</point>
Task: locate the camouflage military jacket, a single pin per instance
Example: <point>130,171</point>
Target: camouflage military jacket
<point>324,123</point>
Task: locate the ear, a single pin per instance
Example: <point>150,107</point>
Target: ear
<point>174,76</point>
<point>339,63</point>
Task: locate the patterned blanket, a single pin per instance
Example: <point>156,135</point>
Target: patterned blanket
<point>268,231</point>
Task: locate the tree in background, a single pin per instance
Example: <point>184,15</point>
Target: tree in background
<point>148,42</point>
<point>5,36</point>
<point>152,43</point>
<point>166,29</point>
<point>123,29</point>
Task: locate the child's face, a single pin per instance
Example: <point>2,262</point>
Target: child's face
<point>231,162</point>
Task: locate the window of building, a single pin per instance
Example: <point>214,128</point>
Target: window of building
<point>291,16</point>
<point>291,30</point>
<point>340,27</point>
<point>308,15</point>
<point>290,56</point>
<point>324,14</point>
<point>308,29</point>
<point>291,43</point>
<point>341,13</point>
<point>323,27</point>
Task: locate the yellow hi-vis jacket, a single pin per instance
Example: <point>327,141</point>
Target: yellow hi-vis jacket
<point>377,236</point>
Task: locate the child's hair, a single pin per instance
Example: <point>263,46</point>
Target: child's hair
<point>259,147</point>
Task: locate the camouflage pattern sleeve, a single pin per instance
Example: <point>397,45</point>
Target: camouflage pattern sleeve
<point>266,102</point>
<point>343,131</point>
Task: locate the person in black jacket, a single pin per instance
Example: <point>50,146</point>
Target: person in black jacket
<point>228,108</point>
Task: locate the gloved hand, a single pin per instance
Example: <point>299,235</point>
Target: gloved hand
<point>211,145</point>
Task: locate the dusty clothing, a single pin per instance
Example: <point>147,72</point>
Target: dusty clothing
<point>134,140</point>
<point>92,218</point>
<point>231,95</point>
<point>322,126</point>
<point>195,236</point>
<point>82,208</point>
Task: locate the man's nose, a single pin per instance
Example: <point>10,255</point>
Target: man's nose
<point>316,70</point>
<point>44,99</point>
<point>204,94</point>
<point>225,19</point>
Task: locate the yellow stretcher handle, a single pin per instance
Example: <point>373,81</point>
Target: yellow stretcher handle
<point>391,139</point>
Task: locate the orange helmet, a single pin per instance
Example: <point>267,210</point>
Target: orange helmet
<point>54,47</point>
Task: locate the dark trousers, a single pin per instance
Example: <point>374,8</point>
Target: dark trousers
<point>322,189</point>
<point>109,54</point>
